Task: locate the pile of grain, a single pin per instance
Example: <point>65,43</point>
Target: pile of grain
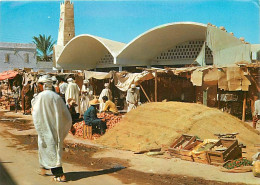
<point>155,124</point>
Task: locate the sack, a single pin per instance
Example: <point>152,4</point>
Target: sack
<point>256,169</point>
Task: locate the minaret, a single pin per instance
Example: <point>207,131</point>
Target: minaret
<point>66,28</point>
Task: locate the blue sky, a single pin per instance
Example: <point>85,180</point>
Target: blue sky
<point>124,20</point>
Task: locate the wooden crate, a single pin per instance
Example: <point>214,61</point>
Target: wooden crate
<point>232,152</point>
<point>182,147</point>
<point>87,131</point>
<point>201,157</point>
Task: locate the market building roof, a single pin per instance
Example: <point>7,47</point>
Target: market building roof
<point>144,48</point>
<point>86,51</point>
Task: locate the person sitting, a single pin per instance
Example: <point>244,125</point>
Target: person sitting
<point>91,119</point>
<point>109,105</point>
<point>71,104</point>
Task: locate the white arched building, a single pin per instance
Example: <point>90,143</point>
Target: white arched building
<point>174,44</point>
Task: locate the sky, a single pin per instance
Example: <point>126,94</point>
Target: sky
<point>123,20</point>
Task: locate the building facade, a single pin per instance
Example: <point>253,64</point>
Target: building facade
<point>17,55</point>
<point>21,56</point>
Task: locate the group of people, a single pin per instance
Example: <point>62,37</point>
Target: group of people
<point>55,107</point>
<point>53,118</point>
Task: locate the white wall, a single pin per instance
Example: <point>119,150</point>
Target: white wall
<point>17,57</point>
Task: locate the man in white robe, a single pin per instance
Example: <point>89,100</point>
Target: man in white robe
<point>105,92</point>
<point>132,98</point>
<point>63,87</point>
<point>86,96</point>
<point>73,91</point>
<point>52,122</point>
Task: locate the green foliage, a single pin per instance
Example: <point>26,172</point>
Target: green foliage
<point>44,46</point>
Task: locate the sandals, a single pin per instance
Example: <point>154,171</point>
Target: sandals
<point>42,172</point>
<point>60,179</point>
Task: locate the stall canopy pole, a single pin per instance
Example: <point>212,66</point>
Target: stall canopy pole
<point>244,107</point>
<point>145,93</point>
<point>155,87</point>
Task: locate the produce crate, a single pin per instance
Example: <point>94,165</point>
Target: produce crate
<point>87,131</point>
<point>232,151</point>
<point>200,153</point>
<point>182,147</point>
<point>200,157</point>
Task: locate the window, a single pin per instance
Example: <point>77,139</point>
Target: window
<point>26,57</point>
<point>7,57</point>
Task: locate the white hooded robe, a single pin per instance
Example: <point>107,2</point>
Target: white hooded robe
<point>73,92</point>
<point>86,97</point>
<point>52,121</point>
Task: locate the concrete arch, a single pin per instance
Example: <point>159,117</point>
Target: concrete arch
<point>144,48</point>
<point>84,52</point>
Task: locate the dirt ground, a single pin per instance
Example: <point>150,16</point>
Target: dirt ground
<point>88,163</point>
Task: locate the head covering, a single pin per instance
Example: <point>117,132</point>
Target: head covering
<point>106,84</point>
<point>133,86</point>
<point>72,101</point>
<point>94,102</point>
<point>46,79</point>
<point>53,78</point>
<point>70,80</point>
<point>85,81</point>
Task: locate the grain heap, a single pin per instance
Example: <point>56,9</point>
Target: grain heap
<point>153,125</point>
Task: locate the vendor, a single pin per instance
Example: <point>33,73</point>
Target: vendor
<point>91,119</point>
<point>132,98</point>
<point>71,104</point>
<point>109,105</point>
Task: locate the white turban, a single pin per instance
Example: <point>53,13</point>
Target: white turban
<point>70,80</point>
<point>53,78</point>
<point>46,79</point>
<point>85,81</point>
<point>133,86</point>
<point>106,84</point>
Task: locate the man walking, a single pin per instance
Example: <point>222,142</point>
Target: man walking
<point>73,91</point>
<point>52,121</point>
<point>27,97</point>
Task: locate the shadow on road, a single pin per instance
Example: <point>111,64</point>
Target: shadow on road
<point>5,177</point>
<point>74,176</point>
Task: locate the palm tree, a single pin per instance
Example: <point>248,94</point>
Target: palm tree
<point>44,46</point>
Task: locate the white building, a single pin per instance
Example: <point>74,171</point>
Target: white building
<point>21,56</point>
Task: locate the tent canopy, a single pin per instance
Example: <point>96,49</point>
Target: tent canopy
<point>8,75</point>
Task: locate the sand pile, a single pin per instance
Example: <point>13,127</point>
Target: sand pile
<point>155,124</point>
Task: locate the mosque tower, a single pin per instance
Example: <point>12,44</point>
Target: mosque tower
<point>66,27</point>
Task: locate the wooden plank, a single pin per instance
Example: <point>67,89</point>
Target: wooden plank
<point>244,107</point>
<point>145,93</point>
<point>155,87</point>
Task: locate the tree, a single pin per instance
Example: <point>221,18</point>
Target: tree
<point>44,47</point>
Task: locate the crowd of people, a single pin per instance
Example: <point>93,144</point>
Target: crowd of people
<point>55,106</point>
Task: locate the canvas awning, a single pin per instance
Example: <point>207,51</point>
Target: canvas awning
<point>97,75</point>
<point>8,75</point>
<point>226,48</point>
